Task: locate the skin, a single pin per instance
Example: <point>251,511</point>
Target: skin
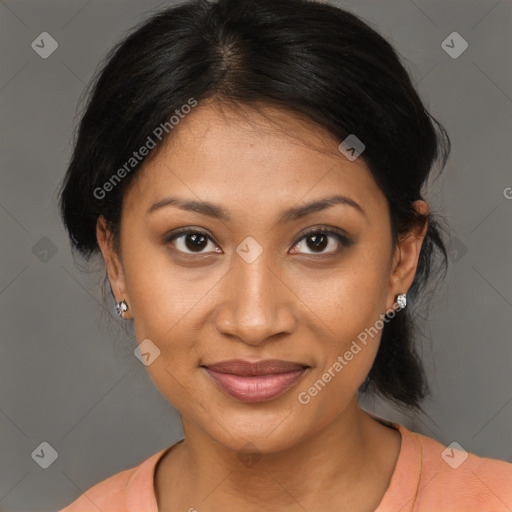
<point>291,303</point>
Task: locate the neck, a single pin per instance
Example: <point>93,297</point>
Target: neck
<point>340,464</point>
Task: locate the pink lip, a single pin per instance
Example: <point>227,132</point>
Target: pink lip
<point>262,367</point>
<point>256,388</point>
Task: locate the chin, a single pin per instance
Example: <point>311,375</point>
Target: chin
<point>257,436</point>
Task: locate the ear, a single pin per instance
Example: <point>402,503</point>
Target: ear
<point>406,255</point>
<point>113,264</point>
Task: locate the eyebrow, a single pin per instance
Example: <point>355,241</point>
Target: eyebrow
<point>217,212</point>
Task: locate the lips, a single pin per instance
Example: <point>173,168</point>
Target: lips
<point>255,382</point>
<point>266,367</point>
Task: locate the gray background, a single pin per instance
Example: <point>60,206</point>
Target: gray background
<point>68,375</point>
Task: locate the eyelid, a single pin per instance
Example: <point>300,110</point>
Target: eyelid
<point>185,231</point>
<point>326,229</point>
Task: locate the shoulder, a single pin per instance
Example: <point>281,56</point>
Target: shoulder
<point>109,492</point>
<point>454,479</point>
<point>113,493</point>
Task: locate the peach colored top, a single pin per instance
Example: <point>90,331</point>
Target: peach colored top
<point>428,477</point>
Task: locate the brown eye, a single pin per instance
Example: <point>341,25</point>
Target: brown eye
<point>190,242</point>
<point>316,242</point>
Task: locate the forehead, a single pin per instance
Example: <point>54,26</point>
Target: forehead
<point>246,157</point>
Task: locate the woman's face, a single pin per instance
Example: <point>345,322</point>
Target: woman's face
<point>252,285</point>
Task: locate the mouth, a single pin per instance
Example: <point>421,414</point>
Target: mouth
<point>255,382</point>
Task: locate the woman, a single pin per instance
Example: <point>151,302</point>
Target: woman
<point>251,172</point>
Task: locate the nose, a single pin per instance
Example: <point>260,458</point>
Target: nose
<point>257,305</point>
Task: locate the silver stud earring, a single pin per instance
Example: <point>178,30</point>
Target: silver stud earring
<point>121,307</point>
<point>402,300</point>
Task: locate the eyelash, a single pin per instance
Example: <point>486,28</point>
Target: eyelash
<point>341,238</point>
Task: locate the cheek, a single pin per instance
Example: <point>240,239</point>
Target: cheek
<point>165,310</point>
<point>349,297</point>
<point>165,304</point>
<point>345,307</point>
<point>161,294</point>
